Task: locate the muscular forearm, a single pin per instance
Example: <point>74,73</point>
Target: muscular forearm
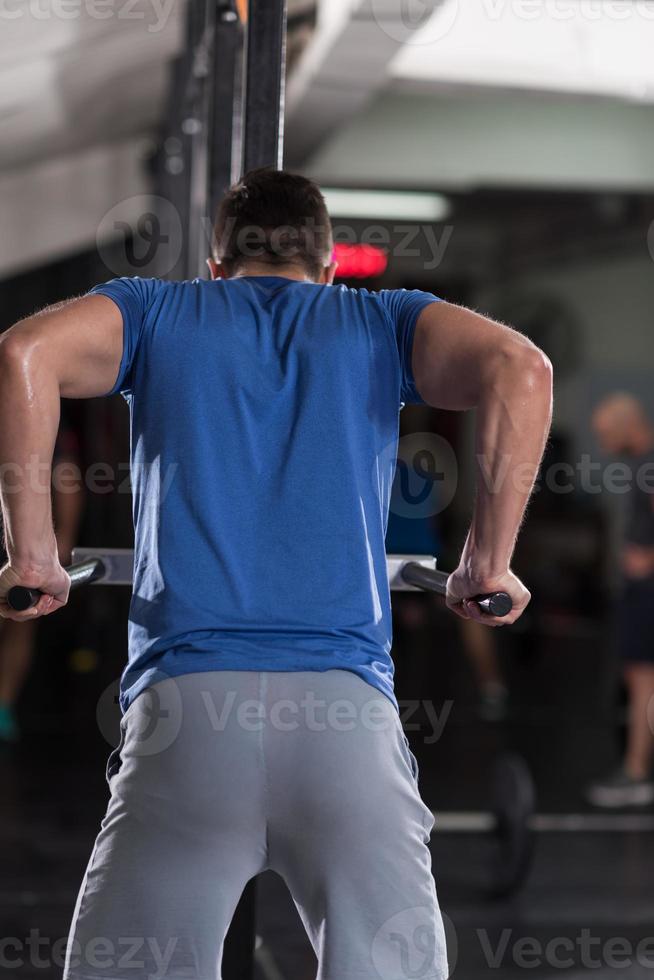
<point>513,420</point>
<point>29,409</point>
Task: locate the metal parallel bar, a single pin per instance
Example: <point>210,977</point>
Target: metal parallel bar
<point>495,604</point>
<point>425,578</point>
<point>119,563</point>
<point>482,822</point>
<point>404,571</point>
<point>265,82</point>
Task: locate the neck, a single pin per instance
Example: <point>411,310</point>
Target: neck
<point>283,271</point>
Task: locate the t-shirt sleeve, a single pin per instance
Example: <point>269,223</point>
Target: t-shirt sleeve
<point>134,298</point>
<point>403,307</point>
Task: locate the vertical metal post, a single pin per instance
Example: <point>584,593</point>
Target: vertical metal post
<point>225,124</point>
<point>265,84</point>
<point>172,170</point>
<point>195,127</point>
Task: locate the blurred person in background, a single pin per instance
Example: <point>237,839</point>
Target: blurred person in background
<point>480,648</point>
<point>623,429</point>
<point>18,640</point>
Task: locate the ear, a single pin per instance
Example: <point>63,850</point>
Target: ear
<point>216,270</point>
<point>328,274</point>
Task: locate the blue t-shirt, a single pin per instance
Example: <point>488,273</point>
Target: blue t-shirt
<point>264,426</point>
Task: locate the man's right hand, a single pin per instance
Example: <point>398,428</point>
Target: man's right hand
<point>52,580</point>
<point>463,585</point>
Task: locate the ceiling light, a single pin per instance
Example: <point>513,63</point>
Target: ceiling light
<point>386,205</point>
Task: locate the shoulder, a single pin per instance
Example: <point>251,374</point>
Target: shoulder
<point>133,290</point>
<point>399,301</point>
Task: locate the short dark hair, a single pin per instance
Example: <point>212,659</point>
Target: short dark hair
<point>274,217</point>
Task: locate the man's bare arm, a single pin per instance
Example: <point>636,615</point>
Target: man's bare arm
<point>460,361</point>
<point>72,351</point>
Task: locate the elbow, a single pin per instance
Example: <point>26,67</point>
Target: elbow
<point>527,366</point>
<point>536,384</point>
<point>538,371</point>
<point>12,350</point>
<point>16,351</point>
<point>536,368</point>
<point>519,372</point>
<point>27,362</point>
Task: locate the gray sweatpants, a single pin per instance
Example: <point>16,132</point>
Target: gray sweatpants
<point>222,775</point>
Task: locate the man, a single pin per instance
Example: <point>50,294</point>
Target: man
<point>264,412</point>
<point>623,429</point>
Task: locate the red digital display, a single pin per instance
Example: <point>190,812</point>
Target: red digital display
<point>360,261</point>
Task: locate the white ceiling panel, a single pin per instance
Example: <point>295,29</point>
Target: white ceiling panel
<point>578,47</point>
<point>68,84</point>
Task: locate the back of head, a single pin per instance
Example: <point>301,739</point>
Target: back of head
<point>621,408</point>
<point>274,218</point>
<point>620,422</point>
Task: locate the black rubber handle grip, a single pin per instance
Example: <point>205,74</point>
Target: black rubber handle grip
<point>92,570</point>
<point>431,579</point>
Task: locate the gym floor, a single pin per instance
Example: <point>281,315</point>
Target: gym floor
<point>587,905</point>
